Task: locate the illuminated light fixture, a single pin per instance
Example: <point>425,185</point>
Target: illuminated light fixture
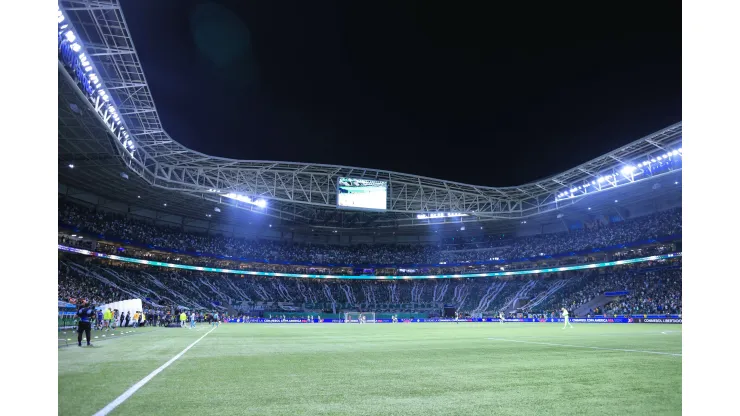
<point>639,165</point>
<point>440,215</point>
<point>680,150</point>
<point>86,76</point>
<point>659,158</point>
<point>247,200</point>
<point>270,225</point>
<point>627,170</point>
<point>138,196</point>
<point>589,208</point>
<point>74,235</point>
<point>674,153</point>
<point>616,200</point>
<point>71,166</point>
<point>653,160</point>
<point>600,180</point>
<point>165,204</point>
<point>593,182</point>
<point>217,209</point>
<point>675,183</point>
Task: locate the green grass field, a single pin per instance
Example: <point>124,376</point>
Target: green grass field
<point>379,369</point>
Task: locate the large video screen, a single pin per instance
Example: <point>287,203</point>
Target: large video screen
<point>361,194</point>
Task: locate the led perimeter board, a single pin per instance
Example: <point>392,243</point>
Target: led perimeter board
<point>362,194</point>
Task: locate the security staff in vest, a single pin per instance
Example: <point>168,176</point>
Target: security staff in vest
<point>85,313</point>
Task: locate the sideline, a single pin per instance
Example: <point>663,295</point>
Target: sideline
<point>585,346</point>
<point>128,393</point>
<point>71,342</point>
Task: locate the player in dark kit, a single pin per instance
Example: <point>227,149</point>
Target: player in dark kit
<point>85,313</point>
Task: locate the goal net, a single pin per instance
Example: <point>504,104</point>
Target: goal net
<point>356,317</point>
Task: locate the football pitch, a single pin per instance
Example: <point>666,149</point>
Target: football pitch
<point>376,369</point>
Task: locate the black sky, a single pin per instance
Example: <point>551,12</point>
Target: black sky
<point>476,92</point>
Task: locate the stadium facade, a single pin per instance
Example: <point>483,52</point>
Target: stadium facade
<point>114,153</point>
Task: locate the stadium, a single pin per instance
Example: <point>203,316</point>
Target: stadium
<point>281,266</point>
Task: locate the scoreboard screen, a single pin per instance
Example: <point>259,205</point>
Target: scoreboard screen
<point>362,194</point>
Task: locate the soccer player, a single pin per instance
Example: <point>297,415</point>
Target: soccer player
<point>565,317</point>
<point>99,320</point>
<point>215,319</point>
<point>501,317</point>
<point>192,320</point>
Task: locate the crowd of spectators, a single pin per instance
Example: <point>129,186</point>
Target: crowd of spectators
<point>102,281</point>
<point>592,236</point>
<point>648,291</point>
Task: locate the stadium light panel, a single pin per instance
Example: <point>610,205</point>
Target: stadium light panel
<point>261,203</point>
<point>71,166</point>
<point>88,79</point>
<point>627,170</point>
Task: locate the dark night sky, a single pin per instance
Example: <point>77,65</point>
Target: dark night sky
<point>475,92</point>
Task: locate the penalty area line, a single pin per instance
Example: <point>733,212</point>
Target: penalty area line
<point>585,346</point>
<point>128,393</point>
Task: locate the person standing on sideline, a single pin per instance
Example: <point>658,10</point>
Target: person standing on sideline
<point>107,317</point>
<point>192,320</point>
<point>183,318</point>
<point>85,313</point>
<point>128,318</point>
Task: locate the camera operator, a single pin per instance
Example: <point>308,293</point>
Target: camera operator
<point>85,313</point>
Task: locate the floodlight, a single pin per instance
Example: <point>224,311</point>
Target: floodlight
<point>261,203</point>
<point>71,166</point>
<point>627,170</point>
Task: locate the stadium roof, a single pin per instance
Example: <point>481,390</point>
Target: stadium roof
<point>109,130</point>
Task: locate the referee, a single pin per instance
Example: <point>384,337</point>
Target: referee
<point>85,313</point>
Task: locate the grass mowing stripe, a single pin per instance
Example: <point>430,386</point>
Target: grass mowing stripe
<point>128,393</point>
<point>584,346</point>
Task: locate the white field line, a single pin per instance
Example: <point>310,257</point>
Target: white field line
<point>585,346</point>
<point>128,393</point>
